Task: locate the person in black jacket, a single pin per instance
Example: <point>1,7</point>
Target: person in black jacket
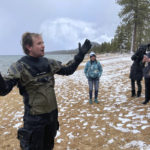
<point>136,71</point>
<point>146,73</point>
<point>34,76</point>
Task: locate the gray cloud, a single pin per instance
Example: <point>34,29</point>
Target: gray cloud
<point>65,33</point>
<point>78,19</point>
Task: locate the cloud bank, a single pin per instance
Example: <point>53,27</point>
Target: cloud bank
<point>65,33</point>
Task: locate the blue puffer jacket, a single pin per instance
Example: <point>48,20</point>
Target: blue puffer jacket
<point>93,69</point>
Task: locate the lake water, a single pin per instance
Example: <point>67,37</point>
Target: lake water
<point>7,60</point>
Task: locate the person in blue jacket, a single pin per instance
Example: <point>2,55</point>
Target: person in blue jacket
<point>93,71</point>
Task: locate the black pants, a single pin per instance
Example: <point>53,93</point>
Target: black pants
<point>39,131</point>
<point>138,85</point>
<point>147,89</point>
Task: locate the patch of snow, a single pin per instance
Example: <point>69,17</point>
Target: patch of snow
<point>94,127</point>
<point>70,135</point>
<point>5,133</point>
<point>85,124</point>
<point>144,127</point>
<point>124,120</point>
<point>111,141</point>
<point>138,144</point>
<point>17,125</point>
<point>59,140</point>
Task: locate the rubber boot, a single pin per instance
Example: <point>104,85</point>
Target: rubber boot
<point>96,95</point>
<point>96,101</point>
<point>90,98</point>
<point>90,101</point>
<point>139,88</point>
<point>138,93</point>
<point>145,102</point>
<point>133,93</point>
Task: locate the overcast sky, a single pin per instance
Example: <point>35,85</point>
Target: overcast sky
<point>63,23</point>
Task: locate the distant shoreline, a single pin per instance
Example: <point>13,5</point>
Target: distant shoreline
<point>62,52</point>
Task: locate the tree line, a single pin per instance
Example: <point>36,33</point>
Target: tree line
<point>133,30</point>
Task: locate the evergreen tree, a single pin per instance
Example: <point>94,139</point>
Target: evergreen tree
<point>135,14</point>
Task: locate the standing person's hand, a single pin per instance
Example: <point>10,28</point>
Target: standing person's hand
<point>145,58</point>
<point>87,75</point>
<point>85,47</point>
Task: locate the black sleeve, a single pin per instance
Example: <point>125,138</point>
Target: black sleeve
<point>71,66</point>
<point>6,86</point>
<point>134,57</point>
<point>10,80</point>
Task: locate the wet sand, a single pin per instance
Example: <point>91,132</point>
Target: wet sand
<point>117,122</point>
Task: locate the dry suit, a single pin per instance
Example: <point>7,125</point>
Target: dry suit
<point>35,79</point>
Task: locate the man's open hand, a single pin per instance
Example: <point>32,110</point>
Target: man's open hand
<point>85,47</point>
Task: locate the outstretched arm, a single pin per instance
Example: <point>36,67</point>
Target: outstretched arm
<point>70,67</point>
<point>7,83</point>
<point>6,86</point>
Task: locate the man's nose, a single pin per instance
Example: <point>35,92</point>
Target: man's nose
<point>43,46</point>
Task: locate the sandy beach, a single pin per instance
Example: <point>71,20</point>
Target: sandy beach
<point>118,122</point>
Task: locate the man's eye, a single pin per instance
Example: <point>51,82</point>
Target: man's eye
<point>40,43</point>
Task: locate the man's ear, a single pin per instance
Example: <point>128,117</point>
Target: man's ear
<point>29,47</point>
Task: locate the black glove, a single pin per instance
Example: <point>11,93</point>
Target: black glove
<point>2,83</point>
<point>85,47</point>
<point>134,57</point>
